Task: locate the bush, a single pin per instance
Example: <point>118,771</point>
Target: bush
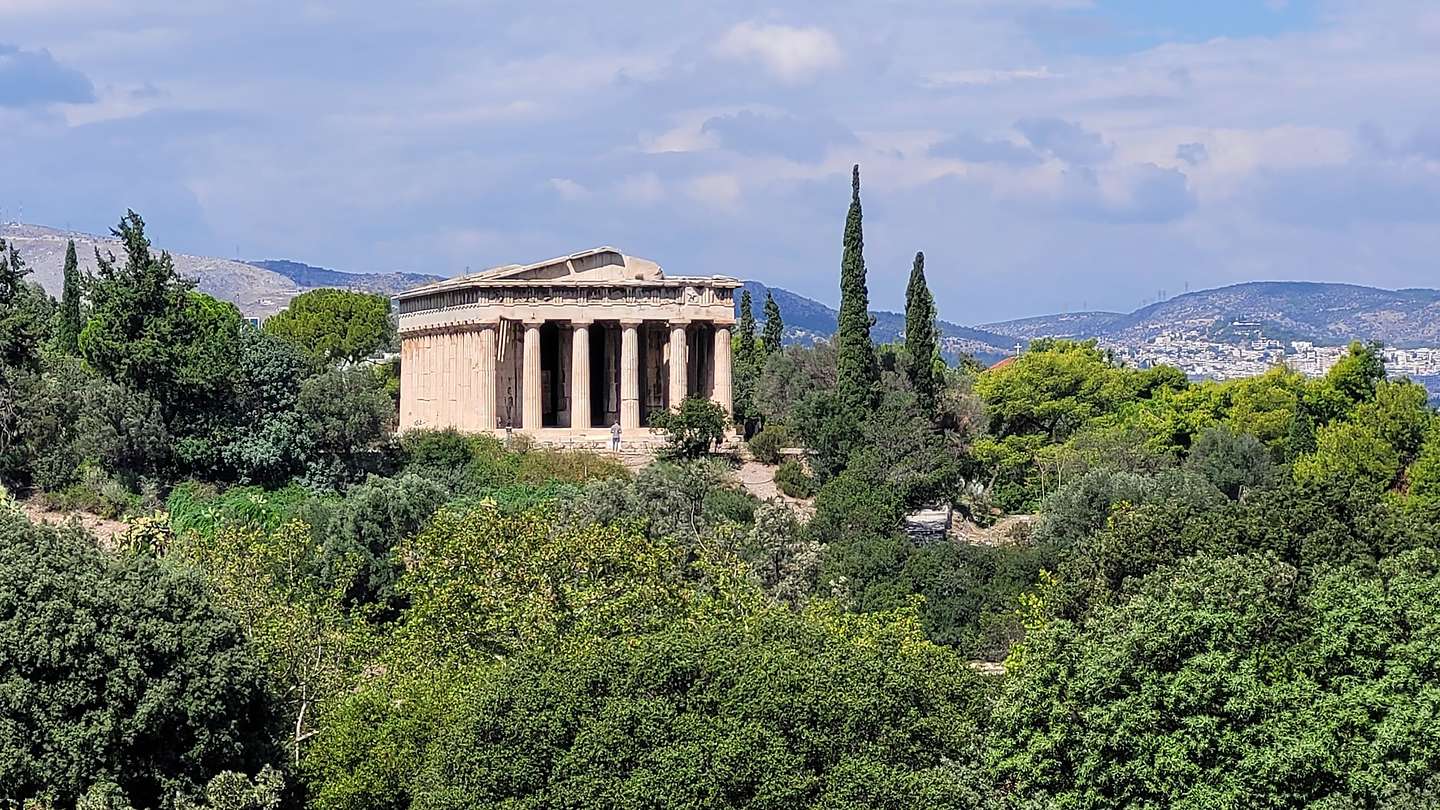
<point>766,445</point>
<point>793,480</point>
<point>693,430</point>
<point>117,669</point>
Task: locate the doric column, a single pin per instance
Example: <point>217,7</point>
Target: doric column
<point>629,375</point>
<point>679,365</point>
<point>580,413</point>
<point>720,391</point>
<point>530,410</point>
<point>484,385</point>
<point>407,383</point>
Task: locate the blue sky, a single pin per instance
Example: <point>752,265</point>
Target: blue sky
<point>1047,155</point>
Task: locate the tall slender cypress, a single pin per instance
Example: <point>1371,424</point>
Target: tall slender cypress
<point>67,334</point>
<point>857,375</point>
<point>747,365</point>
<point>774,326</point>
<point>920,335</point>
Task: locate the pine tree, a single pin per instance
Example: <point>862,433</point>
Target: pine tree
<point>747,364</point>
<point>67,335</point>
<point>857,374</point>
<point>774,327</point>
<point>920,336</point>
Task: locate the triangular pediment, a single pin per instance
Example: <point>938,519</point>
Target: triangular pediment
<point>598,264</point>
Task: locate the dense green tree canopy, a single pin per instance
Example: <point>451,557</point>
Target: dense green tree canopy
<point>333,325</point>
<point>119,670</point>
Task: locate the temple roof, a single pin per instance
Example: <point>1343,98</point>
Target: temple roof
<point>600,265</point>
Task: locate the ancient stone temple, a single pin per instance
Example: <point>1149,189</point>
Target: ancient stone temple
<point>563,348</point>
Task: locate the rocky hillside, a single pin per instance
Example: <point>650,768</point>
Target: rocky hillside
<point>807,320</point>
<point>255,290</point>
<point>1324,313</point>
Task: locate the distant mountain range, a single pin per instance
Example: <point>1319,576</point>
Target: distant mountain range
<point>305,275</point>
<point>1322,313</point>
<point>807,321</point>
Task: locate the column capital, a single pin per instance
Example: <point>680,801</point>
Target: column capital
<point>533,323</point>
<point>677,322</point>
<point>632,323</point>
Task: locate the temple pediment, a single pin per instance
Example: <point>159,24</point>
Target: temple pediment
<point>602,264</point>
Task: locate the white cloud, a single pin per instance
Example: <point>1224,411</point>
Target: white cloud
<point>569,190</point>
<point>793,55</point>
<point>981,77</point>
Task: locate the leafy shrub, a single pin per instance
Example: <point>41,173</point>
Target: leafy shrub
<point>792,479</point>
<point>151,656</point>
<point>694,429</point>
<point>766,445</point>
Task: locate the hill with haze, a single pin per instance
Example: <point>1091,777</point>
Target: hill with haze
<point>807,320</point>
<point>1323,313</point>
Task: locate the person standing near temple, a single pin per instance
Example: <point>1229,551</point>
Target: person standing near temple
<point>615,436</point>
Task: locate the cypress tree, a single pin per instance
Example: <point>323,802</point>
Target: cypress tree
<point>747,365</point>
<point>774,326</point>
<point>67,334</point>
<point>920,335</point>
<point>857,375</point>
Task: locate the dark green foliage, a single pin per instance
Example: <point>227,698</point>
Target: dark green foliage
<point>150,332</point>
<point>774,333</point>
<point>117,670</point>
<point>345,418</point>
<point>858,376</point>
<point>265,439</point>
<point>921,337</point>
<point>333,325</point>
<point>693,430</point>
<point>1234,462</point>
<point>766,445</point>
<point>792,479</point>
<point>359,539</point>
<point>748,360</point>
<point>71,317</point>
<point>26,313</point>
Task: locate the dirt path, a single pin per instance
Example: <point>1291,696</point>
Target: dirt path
<point>759,480</point>
<point>104,530</point>
<point>1006,531</point>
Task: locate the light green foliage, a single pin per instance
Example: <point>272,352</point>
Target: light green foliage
<point>1351,455</point>
<point>270,582</point>
<point>1425,472</point>
<point>784,559</point>
<point>779,709</point>
<point>766,445</point>
<point>1400,413</point>
<point>857,375</point>
<point>117,669</point>
<point>693,430</point>
<point>1229,683</point>
<point>483,583</point>
<point>1356,375</point>
<point>334,325</point>
<point>232,790</point>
